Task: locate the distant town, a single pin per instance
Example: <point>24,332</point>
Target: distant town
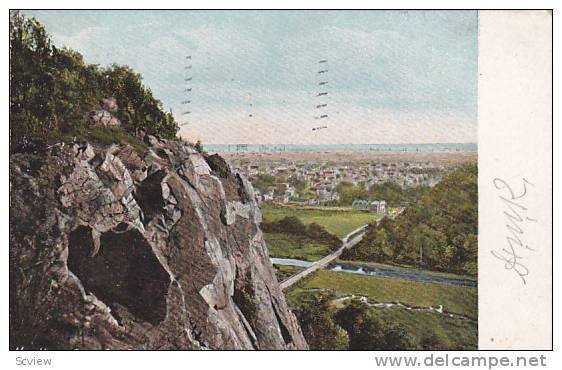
<point>289,179</point>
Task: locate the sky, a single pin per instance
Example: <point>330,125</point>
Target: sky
<point>393,77</point>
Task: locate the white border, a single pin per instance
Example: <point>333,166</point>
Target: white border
<point>514,144</point>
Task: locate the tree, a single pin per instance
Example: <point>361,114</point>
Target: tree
<point>53,91</point>
<point>368,332</point>
<point>432,342</point>
<point>396,338</point>
<point>349,192</point>
<point>31,80</point>
<point>318,327</point>
<point>438,231</point>
<point>199,146</point>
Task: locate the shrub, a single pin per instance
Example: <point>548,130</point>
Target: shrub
<point>53,91</point>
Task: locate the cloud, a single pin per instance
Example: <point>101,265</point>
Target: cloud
<point>85,39</point>
<point>392,77</point>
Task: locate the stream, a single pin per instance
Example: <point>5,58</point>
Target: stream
<point>389,272</point>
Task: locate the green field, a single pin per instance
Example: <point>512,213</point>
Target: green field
<point>291,246</point>
<point>339,222</point>
<point>283,272</point>
<point>460,300</point>
<point>454,333</point>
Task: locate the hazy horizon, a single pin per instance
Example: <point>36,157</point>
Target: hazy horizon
<point>395,77</point>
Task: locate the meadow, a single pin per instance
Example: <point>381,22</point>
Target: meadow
<point>283,271</point>
<point>337,221</point>
<point>459,300</point>
<point>290,246</point>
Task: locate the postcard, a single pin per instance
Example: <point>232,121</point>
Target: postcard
<point>311,180</point>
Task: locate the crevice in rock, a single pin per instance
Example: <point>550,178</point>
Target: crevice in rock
<point>149,195</point>
<point>243,298</point>
<point>121,227</point>
<point>219,166</point>
<point>231,183</point>
<point>125,272</point>
<point>247,328</point>
<point>284,331</point>
<point>244,197</point>
<point>161,153</point>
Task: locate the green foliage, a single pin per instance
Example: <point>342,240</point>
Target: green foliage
<point>106,136</point>
<point>53,91</point>
<point>391,192</point>
<point>370,328</point>
<point>339,222</point>
<point>431,342</point>
<point>139,110</point>
<point>317,324</point>
<point>368,332</point>
<point>288,224</point>
<point>198,146</point>
<point>394,194</point>
<point>263,181</point>
<point>432,331</point>
<point>293,226</point>
<point>284,245</point>
<point>437,232</point>
<point>457,299</point>
<point>349,192</point>
<point>285,271</point>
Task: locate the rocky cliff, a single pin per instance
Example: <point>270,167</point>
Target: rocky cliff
<point>112,249</point>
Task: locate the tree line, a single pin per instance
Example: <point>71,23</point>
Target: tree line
<point>358,327</point>
<point>53,91</point>
<point>439,231</point>
<point>392,193</point>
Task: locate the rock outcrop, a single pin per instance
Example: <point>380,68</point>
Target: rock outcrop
<point>103,117</point>
<point>112,249</point>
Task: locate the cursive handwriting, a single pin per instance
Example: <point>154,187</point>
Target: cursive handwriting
<point>516,217</point>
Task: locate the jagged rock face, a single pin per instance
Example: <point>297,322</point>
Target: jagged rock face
<point>112,250</point>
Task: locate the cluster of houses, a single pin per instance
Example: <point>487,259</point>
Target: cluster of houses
<point>323,178</point>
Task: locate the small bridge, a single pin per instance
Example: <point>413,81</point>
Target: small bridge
<point>359,233</point>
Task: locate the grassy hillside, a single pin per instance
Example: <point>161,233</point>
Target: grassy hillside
<point>338,222</point>
<point>53,92</point>
<point>460,300</point>
<point>290,246</point>
<point>329,324</point>
<point>433,331</point>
